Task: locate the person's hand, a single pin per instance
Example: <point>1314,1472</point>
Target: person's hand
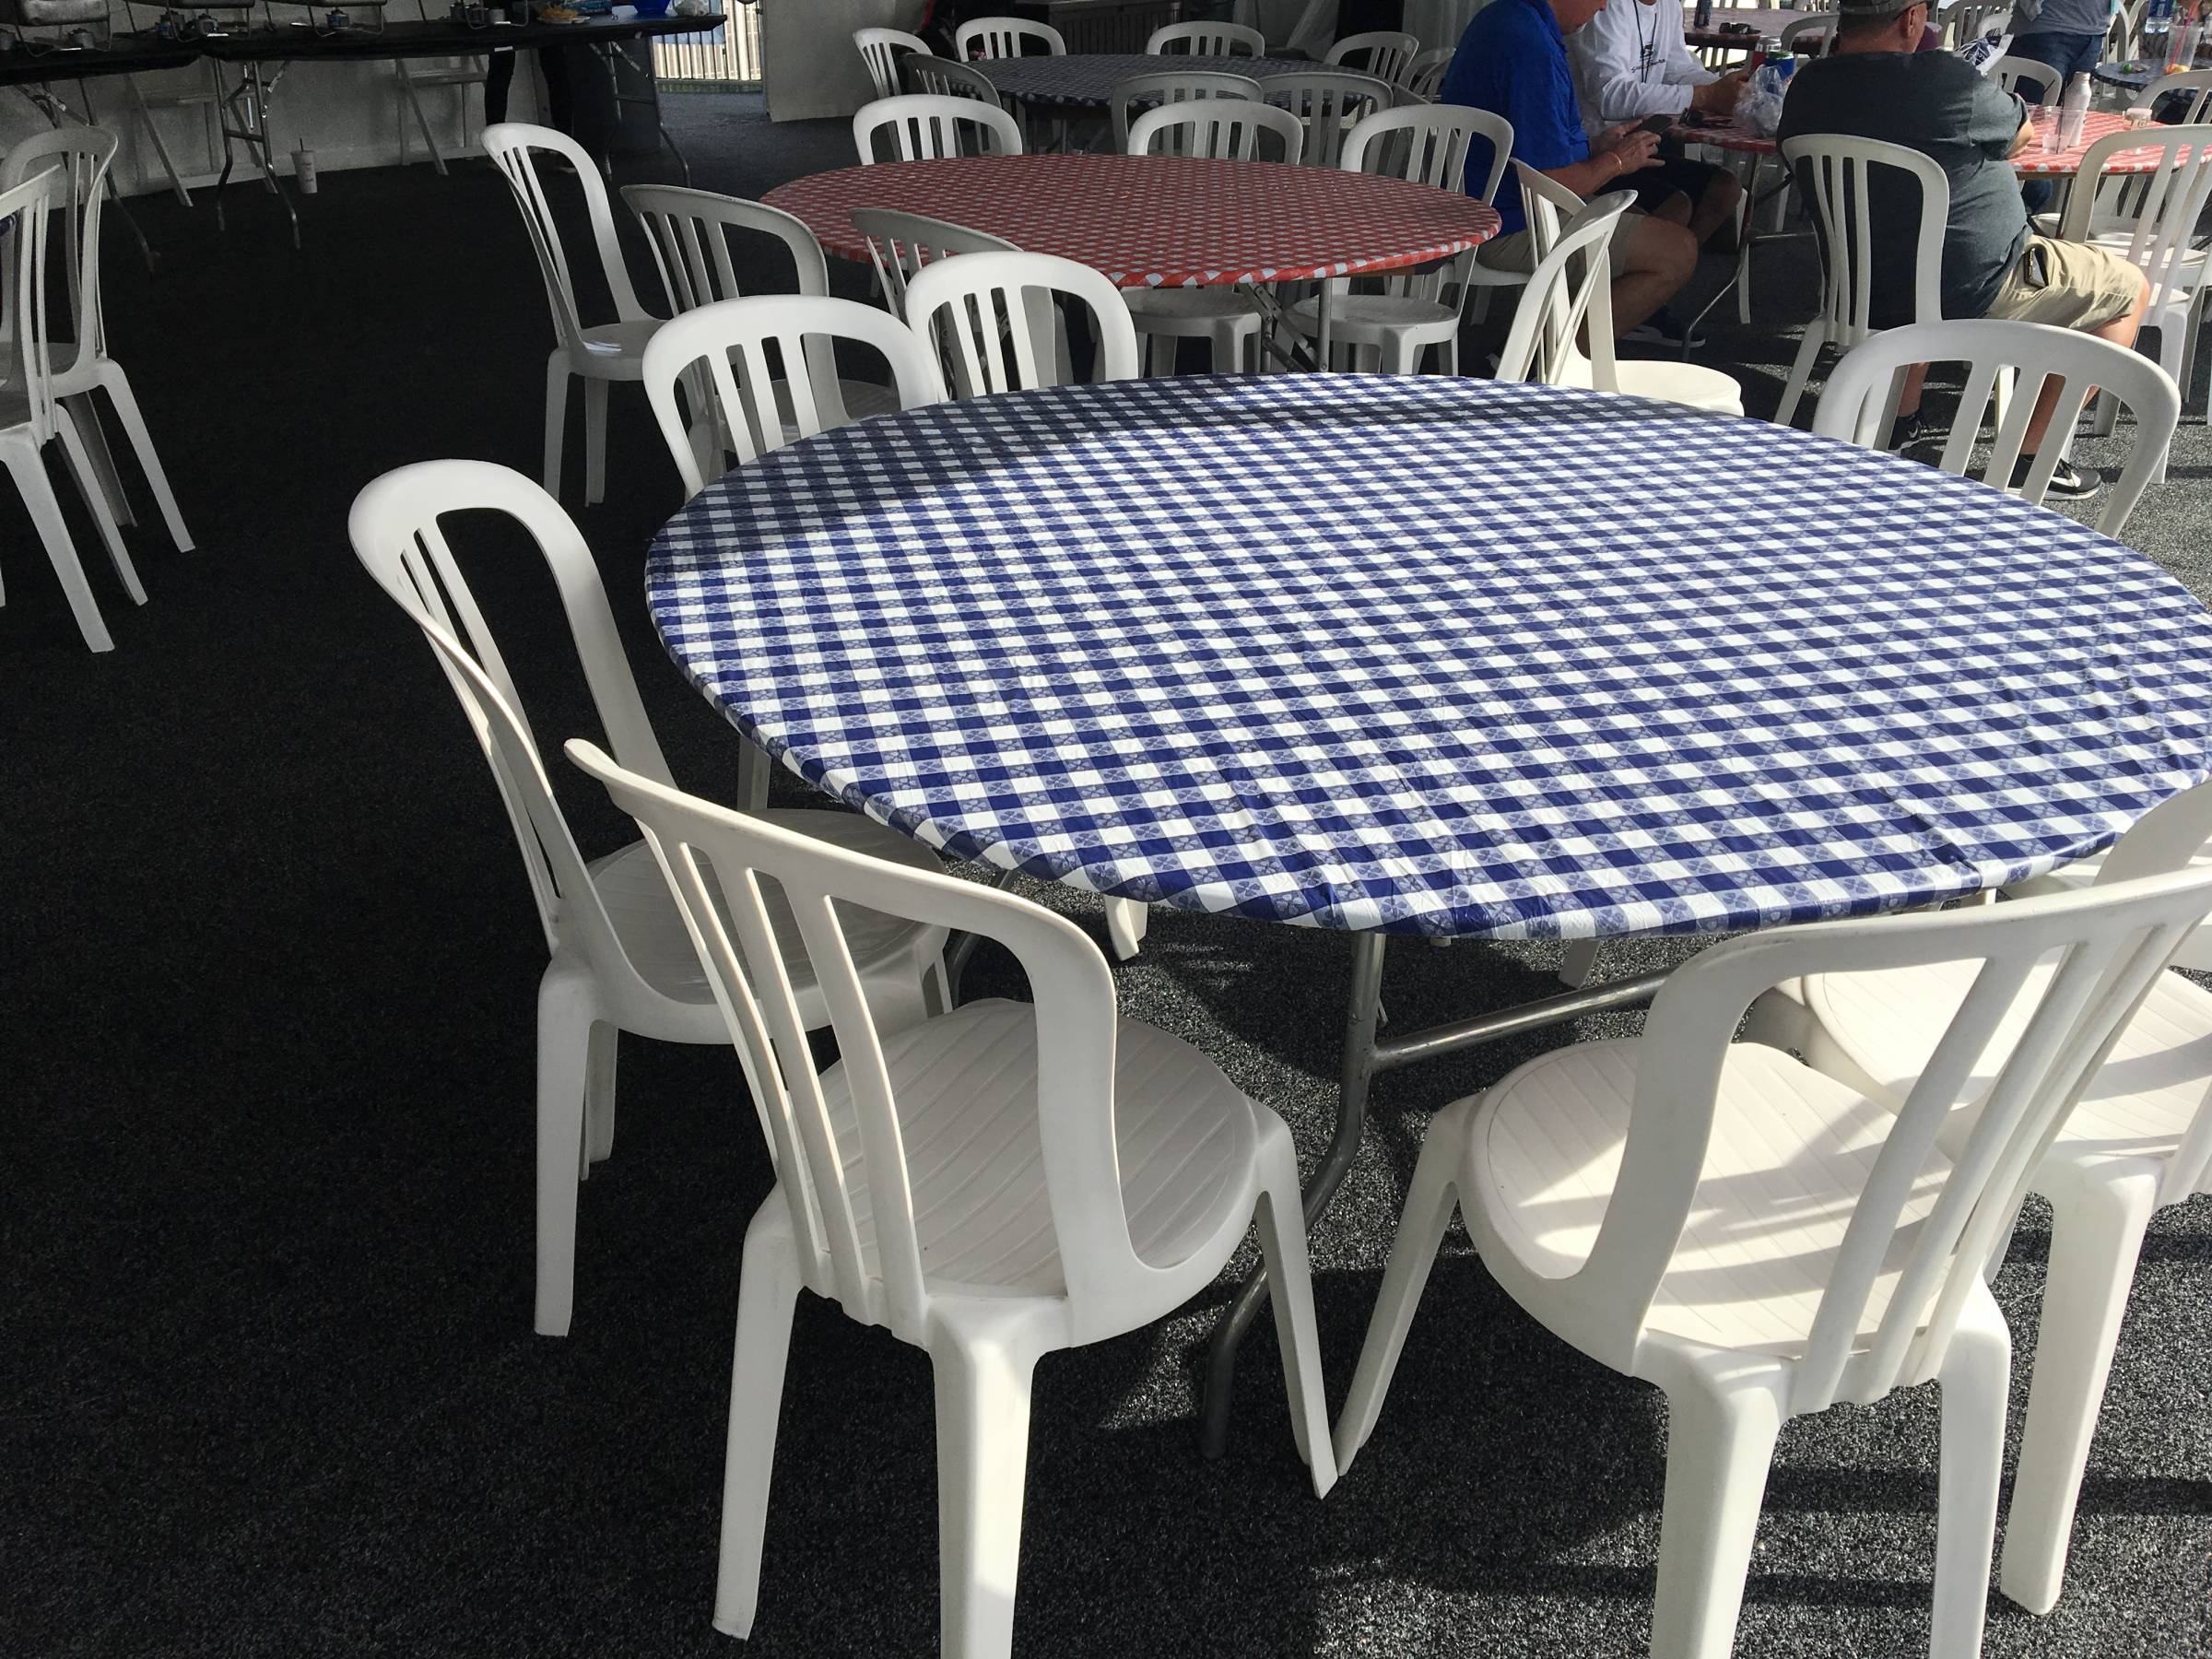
<point>1631,148</point>
<point>1720,96</point>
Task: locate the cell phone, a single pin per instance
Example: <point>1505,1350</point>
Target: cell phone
<point>1660,124</point>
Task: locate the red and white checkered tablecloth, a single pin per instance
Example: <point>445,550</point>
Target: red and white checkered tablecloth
<point>1084,78</point>
<point>2030,162</point>
<point>1159,222</point>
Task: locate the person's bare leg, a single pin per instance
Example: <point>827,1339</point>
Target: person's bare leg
<point>1650,264</point>
<point>1908,399</point>
<point>2120,331</point>
<point>1715,207</point>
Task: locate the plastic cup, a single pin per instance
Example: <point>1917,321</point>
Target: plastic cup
<point>2138,115</point>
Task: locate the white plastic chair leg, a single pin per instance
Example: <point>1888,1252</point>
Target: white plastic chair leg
<point>982,1376</point>
<point>595,441</point>
<point>601,1053</point>
<point>753,767</point>
<point>2095,1236</point>
<point>566,1012</point>
<point>556,415</point>
<point>767,1289</point>
<point>1578,962</point>
<point>1126,922</point>
<point>27,467</point>
<point>1280,1216</point>
<point>118,387</point>
<point>1976,1377</point>
<point>89,428</point>
<point>1720,1445</point>
<point>1801,370</point>
<point>1429,1204</point>
<point>96,501</point>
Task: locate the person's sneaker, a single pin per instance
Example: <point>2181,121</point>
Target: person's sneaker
<point>1911,430</point>
<point>1663,328</point>
<point>2067,482</point>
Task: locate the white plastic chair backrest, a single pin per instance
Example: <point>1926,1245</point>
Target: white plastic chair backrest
<point>1004,38</point>
<point>1225,129</point>
<point>993,320</point>
<point>2109,943</point>
<point>1971,20</point>
<point>2157,226</point>
<point>1425,76</point>
<point>944,78</point>
<point>1427,144</point>
<point>902,243</point>
<point>1831,172</point>
<point>1328,101</point>
<point>689,233</point>
<point>1206,39</point>
<point>1822,25</point>
<point>1570,285</point>
<point>880,50</point>
<point>26,217</point>
<point>2044,83</point>
<point>925,126</point>
<point>1855,403</point>
<point>1382,53</point>
<point>841,1191</point>
<point>1164,87</point>
<point>78,158</point>
<point>2123,35</point>
<point>514,146</point>
<point>743,352</point>
<point>2194,84</point>
<point>396,535</point>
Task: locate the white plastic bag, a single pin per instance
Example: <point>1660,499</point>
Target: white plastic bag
<point>1760,111</point>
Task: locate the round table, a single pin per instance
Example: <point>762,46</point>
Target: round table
<point>2030,162</point>
<point>1436,655</point>
<point>1159,222</point>
<point>1082,80</point>
<point>1765,26</point>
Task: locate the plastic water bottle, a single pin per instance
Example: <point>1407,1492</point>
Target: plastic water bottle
<point>2072,109</point>
<point>1704,15</point>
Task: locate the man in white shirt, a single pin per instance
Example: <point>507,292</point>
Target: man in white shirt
<point>1630,63</point>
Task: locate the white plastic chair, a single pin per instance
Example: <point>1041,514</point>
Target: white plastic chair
<point>1386,54</point>
<point>1206,39</point>
<point>1330,102</point>
<point>1405,314</point>
<point>1855,406</point>
<point>1822,24</point>
<point>901,243</point>
<point>1210,127</point>
<point>2140,1139</point>
<point>1762,1242</point>
<point>1166,86</point>
<point>1060,1204</point>
<point>880,50</point>
<point>932,77</point>
<point>993,320</point>
<point>620,960</point>
<point>2044,83</point>
<point>927,126</point>
<point>1425,75</point>
<point>2123,35</point>
<point>1555,303</point>
<point>598,354</point>
<point>1004,38</point>
<point>1973,20</point>
<point>1833,172</point>
<point>2196,84</point>
<point>79,157</point>
<point>31,417</point>
<point>752,402</point>
<point>2150,220</point>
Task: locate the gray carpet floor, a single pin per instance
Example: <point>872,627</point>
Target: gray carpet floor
<point>267,1384</point>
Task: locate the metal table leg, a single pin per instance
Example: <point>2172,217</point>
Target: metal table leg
<point>246,118</point>
<point>1363,1058</point>
<point>610,56</point>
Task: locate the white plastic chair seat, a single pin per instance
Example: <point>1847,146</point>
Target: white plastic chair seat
<point>1356,314</point>
<point>652,930</point>
<point>864,398</point>
<point>617,350</point>
<point>2140,1104</point>
<point>966,1084</point>
<point>1692,385</point>
<point>1186,303</point>
<point>1789,1156</point>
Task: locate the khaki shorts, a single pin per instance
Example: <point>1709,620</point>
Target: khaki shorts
<point>1518,251</point>
<point>2067,285</point>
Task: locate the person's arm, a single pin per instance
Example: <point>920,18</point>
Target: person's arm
<point>1607,53</point>
<point>1996,121</point>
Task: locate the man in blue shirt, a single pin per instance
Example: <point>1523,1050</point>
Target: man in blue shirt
<point>1512,61</point>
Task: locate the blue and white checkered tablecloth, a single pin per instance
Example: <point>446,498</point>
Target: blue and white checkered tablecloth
<point>1436,655</point>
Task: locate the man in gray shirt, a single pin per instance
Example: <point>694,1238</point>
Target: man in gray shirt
<point>1876,84</point>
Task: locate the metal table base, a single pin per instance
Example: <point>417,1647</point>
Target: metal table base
<point>1363,1058</point>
